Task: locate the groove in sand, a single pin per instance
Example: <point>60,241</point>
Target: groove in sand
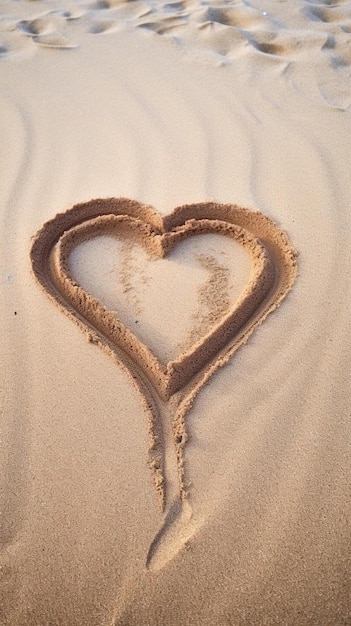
<point>173,385</point>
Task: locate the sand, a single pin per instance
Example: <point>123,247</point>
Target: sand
<point>171,173</point>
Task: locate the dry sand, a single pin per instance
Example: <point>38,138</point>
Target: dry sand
<point>208,107</point>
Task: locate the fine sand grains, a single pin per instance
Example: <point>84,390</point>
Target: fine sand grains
<point>243,101</point>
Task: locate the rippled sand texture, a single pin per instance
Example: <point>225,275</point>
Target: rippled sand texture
<point>209,107</point>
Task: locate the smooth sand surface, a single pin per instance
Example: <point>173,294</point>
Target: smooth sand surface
<point>244,518</point>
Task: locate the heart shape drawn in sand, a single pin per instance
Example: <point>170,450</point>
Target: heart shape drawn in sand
<point>176,374</point>
<point>176,383</point>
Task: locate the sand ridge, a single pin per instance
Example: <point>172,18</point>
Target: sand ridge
<point>177,382</point>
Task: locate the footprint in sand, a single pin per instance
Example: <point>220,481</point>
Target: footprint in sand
<point>329,3</point>
<point>45,30</point>
<point>102,26</point>
<point>123,7</point>
<point>244,18</point>
<point>110,4</point>
<point>39,26</point>
<point>272,45</point>
<point>165,26</point>
<point>326,15</point>
<point>174,7</point>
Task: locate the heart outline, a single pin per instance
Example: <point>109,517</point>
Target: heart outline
<point>178,372</point>
<point>283,259</point>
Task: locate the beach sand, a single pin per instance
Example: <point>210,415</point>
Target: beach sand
<point>175,184</point>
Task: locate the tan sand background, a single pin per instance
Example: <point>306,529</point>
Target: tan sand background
<point>173,103</point>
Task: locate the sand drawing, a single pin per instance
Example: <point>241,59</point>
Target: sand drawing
<point>167,389</point>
